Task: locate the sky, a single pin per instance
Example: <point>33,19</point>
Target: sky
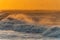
<point>30,4</point>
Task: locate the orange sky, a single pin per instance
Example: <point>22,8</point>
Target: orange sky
<point>30,4</point>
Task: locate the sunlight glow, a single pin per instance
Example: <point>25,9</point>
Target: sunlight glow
<point>30,4</point>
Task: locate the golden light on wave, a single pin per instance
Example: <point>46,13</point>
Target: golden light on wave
<point>30,4</point>
<point>41,20</point>
<point>22,17</point>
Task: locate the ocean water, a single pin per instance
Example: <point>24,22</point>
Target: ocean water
<point>9,31</point>
<point>12,35</point>
<point>21,27</point>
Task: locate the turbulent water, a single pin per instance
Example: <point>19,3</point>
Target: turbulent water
<point>29,26</point>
